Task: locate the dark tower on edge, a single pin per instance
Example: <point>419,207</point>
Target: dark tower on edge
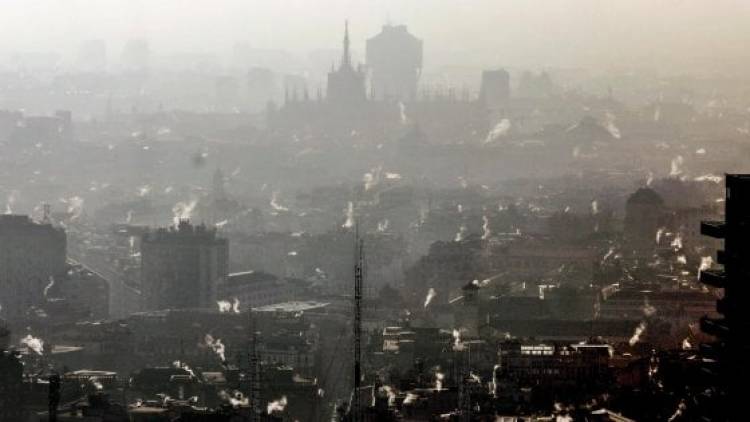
<point>726,359</point>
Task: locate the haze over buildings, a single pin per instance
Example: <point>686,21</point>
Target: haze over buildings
<point>643,34</point>
<point>373,211</point>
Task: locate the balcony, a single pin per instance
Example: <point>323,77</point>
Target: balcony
<point>714,327</point>
<point>715,229</point>
<point>715,278</point>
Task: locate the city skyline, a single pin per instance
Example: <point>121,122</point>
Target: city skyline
<point>667,35</point>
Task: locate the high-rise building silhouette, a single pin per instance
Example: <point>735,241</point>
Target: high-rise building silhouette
<point>726,359</point>
<point>643,211</point>
<point>180,267</point>
<point>394,57</point>
<point>32,257</point>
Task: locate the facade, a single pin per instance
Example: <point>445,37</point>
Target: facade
<point>181,267</point>
<point>254,289</point>
<point>32,255</point>
<point>394,57</point>
<point>11,391</point>
<point>556,367</point>
<point>85,290</point>
<point>725,359</point>
<point>643,212</point>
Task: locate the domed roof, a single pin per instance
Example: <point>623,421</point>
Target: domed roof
<point>645,196</point>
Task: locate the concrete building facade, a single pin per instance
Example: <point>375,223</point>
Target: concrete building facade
<point>181,266</point>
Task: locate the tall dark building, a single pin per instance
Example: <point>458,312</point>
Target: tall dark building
<point>495,89</point>
<point>31,256</point>
<point>180,267</point>
<point>395,58</point>
<point>346,85</point>
<point>727,358</point>
<point>643,211</point>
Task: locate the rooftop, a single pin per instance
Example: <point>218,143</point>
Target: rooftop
<point>293,306</point>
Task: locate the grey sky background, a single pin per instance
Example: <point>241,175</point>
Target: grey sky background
<point>671,34</point>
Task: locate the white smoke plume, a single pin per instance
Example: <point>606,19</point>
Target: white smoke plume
<point>439,377</point>
<point>677,242</point>
<point>607,255</point>
<point>475,377</point>
<point>460,234</point>
<point>659,234</point>
<point>144,190</point>
<point>277,405</point>
<point>183,211</point>
<point>49,286</point>
<point>183,365</point>
<point>75,207</point>
<point>236,306</point>
<point>681,259</point>
<point>458,345</point>
<point>500,130</point>
<point>402,113</point>
<point>224,306</point>
<point>486,232</point>
<point>637,334</point>
<point>706,263</point>
<point>594,207</point>
<point>129,217</point>
<point>383,225</point>
<point>131,244</point>
<point>216,345</point>
<point>34,343</point>
<point>686,345</point>
<point>388,391</point>
<point>349,223</point>
<point>221,224</point>
<point>393,176</point>
<point>611,128</point>
<point>482,283</point>
<point>675,167</point>
<point>275,202</point>
<point>95,382</point>
<point>681,407</point>
<point>236,399</point>
<point>10,200</point>
<point>372,178</point>
<point>647,309</point>
<point>430,295</point>
<point>709,178</point>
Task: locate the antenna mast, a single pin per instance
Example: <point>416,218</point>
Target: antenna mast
<point>356,411</point>
<point>255,406</point>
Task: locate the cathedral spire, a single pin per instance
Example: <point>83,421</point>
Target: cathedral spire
<point>346,59</point>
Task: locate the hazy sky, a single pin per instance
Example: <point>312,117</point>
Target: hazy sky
<point>491,32</point>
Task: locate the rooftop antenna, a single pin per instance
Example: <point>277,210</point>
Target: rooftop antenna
<point>255,399</point>
<point>356,410</point>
